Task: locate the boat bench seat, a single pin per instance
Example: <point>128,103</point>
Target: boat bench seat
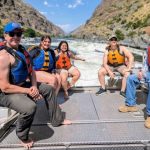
<point>144,87</point>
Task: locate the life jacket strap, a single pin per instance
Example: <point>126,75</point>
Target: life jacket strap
<point>148,56</point>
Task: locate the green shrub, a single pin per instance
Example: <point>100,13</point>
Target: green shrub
<point>146,21</point>
<point>119,35</point>
<point>109,22</point>
<point>1,32</point>
<point>129,25</point>
<point>123,21</point>
<point>137,24</point>
<point>29,33</point>
<point>38,34</point>
<point>131,34</point>
<point>117,18</point>
<point>139,6</point>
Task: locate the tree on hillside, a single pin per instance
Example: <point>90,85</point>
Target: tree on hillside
<point>119,35</point>
<point>1,32</point>
<point>29,33</point>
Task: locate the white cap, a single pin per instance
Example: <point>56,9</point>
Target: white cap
<point>113,36</point>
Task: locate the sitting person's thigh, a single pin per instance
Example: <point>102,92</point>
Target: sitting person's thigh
<point>121,69</point>
<point>45,77</point>
<point>58,77</point>
<point>73,71</point>
<point>61,71</point>
<point>104,71</point>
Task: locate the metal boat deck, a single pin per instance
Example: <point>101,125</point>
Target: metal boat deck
<point>97,124</point>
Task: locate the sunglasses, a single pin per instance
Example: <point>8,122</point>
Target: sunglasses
<point>12,34</point>
<point>113,39</point>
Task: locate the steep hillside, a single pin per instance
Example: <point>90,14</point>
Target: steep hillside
<point>125,18</point>
<point>17,10</point>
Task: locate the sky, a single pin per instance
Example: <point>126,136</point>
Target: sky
<point>67,14</point>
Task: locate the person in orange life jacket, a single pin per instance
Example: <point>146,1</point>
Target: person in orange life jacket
<point>114,60</point>
<point>19,94</point>
<point>65,68</point>
<point>44,63</point>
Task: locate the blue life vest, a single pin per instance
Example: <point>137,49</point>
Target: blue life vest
<point>41,61</point>
<point>19,71</point>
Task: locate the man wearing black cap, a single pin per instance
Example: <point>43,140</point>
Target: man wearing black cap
<point>114,60</point>
<point>18,94</point>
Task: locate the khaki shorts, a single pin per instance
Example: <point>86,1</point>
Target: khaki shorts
<point>64,70</point>
<point>119,69</point>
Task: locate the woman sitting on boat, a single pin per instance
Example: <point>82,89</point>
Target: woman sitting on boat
<point>44,63</point>
<point>65,68</point>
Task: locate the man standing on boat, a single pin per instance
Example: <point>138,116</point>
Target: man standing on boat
<point>114,59</point>
<point>134,81</point>
<point>20,94</point>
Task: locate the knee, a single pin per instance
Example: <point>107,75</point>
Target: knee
<point>31,109</point>
<point>101,72</point>
<point>53,82</point>
<point>126,75</point>
<point>78,74</point>
<point>64,78</point>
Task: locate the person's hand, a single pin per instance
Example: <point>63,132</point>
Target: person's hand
<point>37,97</point>
<point>111,74</point>
<point>33,91</point>
<point>126,70</point>
<point>140,75</point>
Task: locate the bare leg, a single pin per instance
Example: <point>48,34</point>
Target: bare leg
<point>75,76</point>
<point>64,77</point>
<point>48,78</point>
<point>101,75</point>
<point>58,77</point>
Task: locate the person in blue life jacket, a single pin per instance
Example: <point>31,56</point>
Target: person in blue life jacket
<point>64,66</point>
<point>20,94</point>
<point>134,81</point>
<point>114,59</point>
<point>44,63</point>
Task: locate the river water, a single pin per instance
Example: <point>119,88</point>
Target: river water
<point>92,52</point>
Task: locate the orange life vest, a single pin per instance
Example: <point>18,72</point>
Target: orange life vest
<point>46,61</point>
<point>63,61</point>
<point>115,58</point>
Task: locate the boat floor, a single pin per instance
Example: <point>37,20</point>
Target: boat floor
<point>96,124</point>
